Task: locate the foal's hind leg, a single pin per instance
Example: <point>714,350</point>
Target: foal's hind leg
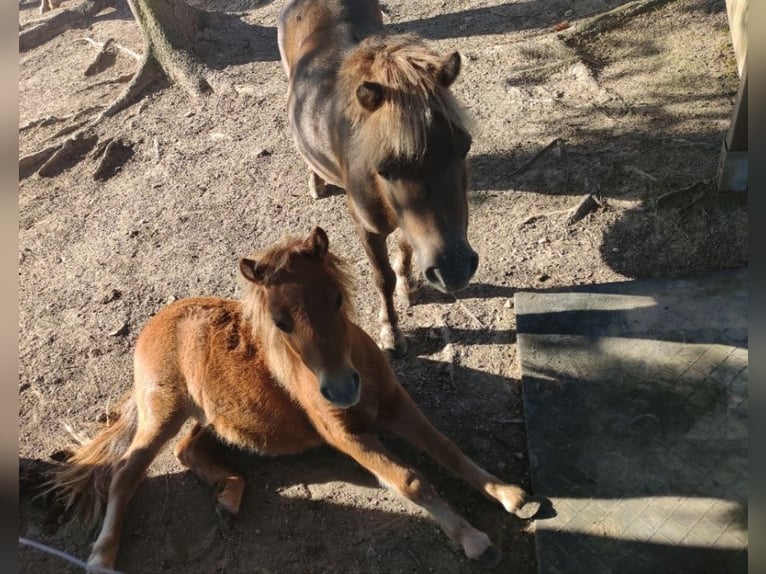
<point>372,455</point>
<point>152,434</point>
<point>410,423</point>
<point>406,284</point>
<point>197,451</point>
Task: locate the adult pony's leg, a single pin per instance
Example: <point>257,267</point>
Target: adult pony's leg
<point>406,285</point>
<point>153,432</point>
<point>410,423</point>
<point>197,451</point>
<point>371,454</point>
<point>391,337</point>
<point>317,186</point>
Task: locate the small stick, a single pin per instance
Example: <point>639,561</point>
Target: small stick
<point>68,557</point>
<point>111,42</point>
<point>534,158</point>
<point>587,204</point>
<point>468,312</point>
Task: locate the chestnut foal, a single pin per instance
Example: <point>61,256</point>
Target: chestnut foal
<point>282,371</point>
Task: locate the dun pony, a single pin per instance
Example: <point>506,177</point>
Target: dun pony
<point>373,114</point>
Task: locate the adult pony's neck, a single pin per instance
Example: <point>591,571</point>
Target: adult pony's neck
<point>281,359</point>
<point>409,72</point>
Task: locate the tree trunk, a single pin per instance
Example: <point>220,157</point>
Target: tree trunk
<point>169,28</point>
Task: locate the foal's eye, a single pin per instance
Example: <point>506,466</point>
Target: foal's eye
<point>384,173</point>
<point>284,325</point>
<point>338,301</point>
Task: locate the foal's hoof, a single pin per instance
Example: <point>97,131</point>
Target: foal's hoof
<point>527,510</point>
<point>491,557</point>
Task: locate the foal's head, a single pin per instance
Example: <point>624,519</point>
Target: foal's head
<point>299,299</point>
<point>409,140</point>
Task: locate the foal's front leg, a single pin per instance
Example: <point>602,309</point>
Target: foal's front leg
<point>409,422</point>
<point>391,337</point>
<point>367,450</point>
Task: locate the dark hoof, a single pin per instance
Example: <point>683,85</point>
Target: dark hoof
<point>491,557</point>
<point>528,510</point>
<point>397,352</point>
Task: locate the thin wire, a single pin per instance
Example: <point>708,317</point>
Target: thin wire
<point>67,557</point>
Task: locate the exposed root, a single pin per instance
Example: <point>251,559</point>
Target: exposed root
<point>50,120</point>
<point>40,31</point>
<point>601,23</point>
<point>149,72</point>
<point>29,164</point>
<point>124,79</point>
<point>115,154</point>
<point>68,154</point>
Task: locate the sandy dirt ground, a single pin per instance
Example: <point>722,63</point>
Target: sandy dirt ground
<point>628,115</point>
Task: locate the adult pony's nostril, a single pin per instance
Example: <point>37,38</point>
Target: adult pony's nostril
<point>434,276</point>
<point>473,263</point>
<point>355,378</point>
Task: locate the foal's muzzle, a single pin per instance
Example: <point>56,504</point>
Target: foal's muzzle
<point>341,389</point>
<point>452,269</point>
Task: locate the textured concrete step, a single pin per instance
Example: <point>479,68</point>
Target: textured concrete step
<point>635,398</point>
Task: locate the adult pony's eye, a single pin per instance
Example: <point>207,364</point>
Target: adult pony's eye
<point>338,300</point>
<point>384,173</point>
<point>284,324</point>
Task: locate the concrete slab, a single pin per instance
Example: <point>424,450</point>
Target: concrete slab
<point>635,398</point>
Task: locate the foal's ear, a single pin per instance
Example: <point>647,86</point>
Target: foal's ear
<point>449,70</point>
<point>370,95</point>
<point>317,243</point>
<point>251,270</point>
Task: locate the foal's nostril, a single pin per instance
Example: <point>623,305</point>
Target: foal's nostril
<point>355,378</point>
<point>326,393</point>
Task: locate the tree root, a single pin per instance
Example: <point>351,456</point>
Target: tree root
<point>595,25</point>
<point>115,154</point>
<point>68,154</point>
<point>40,31</point>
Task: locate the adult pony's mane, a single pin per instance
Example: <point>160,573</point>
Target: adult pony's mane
<point>409,71</point>
<point>277,260</point>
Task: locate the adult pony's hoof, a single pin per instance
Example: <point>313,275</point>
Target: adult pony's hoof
<point>491,557</point>
<point>527,510</point>
<point>392,341</point>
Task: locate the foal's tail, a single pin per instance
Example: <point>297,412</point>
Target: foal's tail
<point>82,482</point>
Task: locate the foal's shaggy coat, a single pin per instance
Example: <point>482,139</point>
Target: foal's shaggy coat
<point>282,371</point>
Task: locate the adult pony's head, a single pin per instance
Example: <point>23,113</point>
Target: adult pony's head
<point>297,297</point>
<point>409,139</point>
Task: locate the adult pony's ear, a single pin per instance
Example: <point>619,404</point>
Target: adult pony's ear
<point>449,70</point>
<point>370,95</point>
<point>252,271</point>
<point>317,243</point>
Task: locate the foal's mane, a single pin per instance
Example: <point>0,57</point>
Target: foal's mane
<point>277,260</point>
<point>409,70</point>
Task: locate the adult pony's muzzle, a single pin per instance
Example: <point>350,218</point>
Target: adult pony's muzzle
<point>451,271</point>
<point>341,389</point>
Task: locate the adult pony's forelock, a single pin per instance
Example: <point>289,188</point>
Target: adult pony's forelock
<point>409,73</point>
